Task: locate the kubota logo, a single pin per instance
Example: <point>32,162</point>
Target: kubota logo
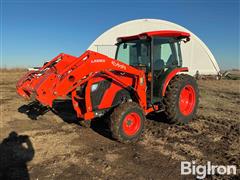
<point>98,61</point>
<point>121,66</point>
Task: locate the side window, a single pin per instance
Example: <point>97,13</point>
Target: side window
<point>166,52</point>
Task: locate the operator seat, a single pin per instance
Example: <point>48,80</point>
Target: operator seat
<point>158,65</point>
<point>171,61</point>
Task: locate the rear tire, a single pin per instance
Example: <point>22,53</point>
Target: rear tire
<point>127,122</point>
<point>181,99</point>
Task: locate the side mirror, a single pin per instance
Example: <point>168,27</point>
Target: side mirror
<point>186,40</point>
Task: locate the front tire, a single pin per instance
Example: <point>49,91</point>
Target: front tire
<point>181,99</point>
<point>127,122</point>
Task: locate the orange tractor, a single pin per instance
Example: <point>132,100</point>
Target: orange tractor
<point>145,76</point>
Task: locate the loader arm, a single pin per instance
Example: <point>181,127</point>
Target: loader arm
<point>65,73</point>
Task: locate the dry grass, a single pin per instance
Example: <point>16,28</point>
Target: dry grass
<point>16,69</point>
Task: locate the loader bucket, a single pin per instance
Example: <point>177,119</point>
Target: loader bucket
<point>38,84</point>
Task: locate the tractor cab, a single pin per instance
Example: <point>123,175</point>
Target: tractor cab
<point>158,53</point>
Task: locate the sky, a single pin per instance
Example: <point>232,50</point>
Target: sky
<point>33,31</point>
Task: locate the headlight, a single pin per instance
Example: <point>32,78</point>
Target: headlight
<point>94,87</point>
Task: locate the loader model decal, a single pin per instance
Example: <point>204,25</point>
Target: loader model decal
<point>98,61</point>
<point>120,66</point>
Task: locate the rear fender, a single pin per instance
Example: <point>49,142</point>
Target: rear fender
<point>171,73</point>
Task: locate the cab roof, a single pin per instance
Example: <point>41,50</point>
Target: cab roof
<point>163,33</point>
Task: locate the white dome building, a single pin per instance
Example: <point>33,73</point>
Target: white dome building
<point>195,54</point>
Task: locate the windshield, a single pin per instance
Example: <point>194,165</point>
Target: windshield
<point>134,53</point>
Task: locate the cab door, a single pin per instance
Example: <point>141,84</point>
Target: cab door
<point>165,56</point>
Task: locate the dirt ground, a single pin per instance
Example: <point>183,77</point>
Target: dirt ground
<point>38,143</point>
